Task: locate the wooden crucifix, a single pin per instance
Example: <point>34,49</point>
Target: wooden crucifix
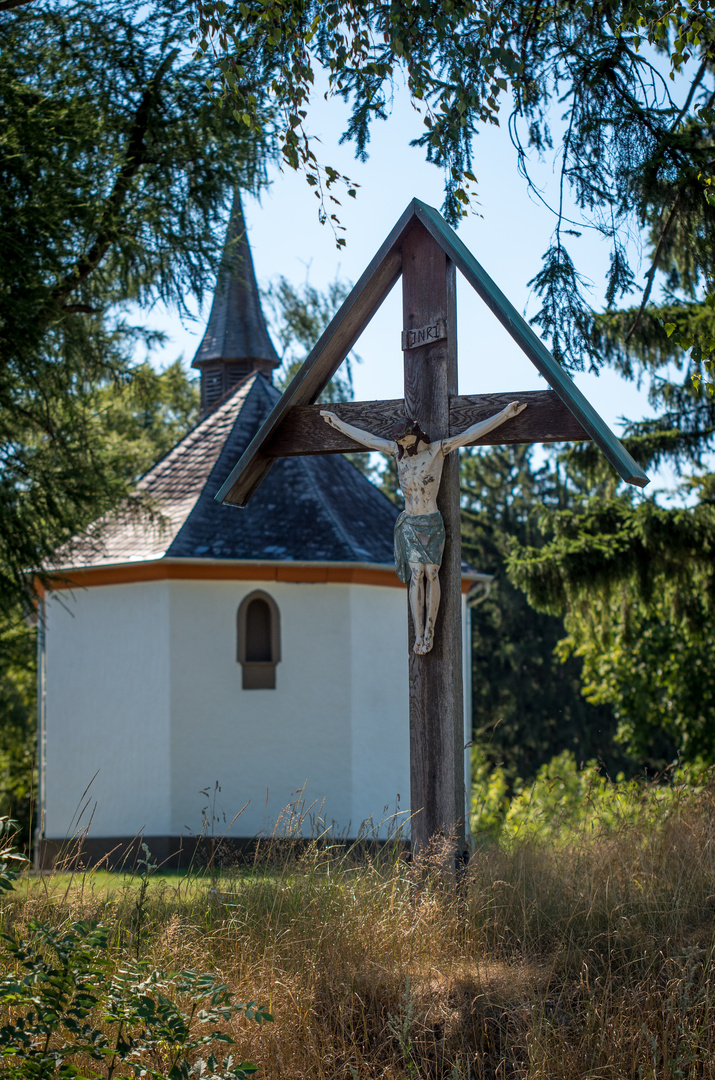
<point>426,252</point>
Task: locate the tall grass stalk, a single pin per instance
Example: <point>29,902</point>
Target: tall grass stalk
<point>585,956</point>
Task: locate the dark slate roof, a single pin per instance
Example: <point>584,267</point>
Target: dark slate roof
<point>314,509</point>
<point>236,328</point>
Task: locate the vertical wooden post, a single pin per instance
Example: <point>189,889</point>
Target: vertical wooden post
<point>436,697</point>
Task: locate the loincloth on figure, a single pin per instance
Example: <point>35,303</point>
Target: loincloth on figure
<point>419,538</point>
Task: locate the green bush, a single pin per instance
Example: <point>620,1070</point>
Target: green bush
<point>71,1009</point>
<point>74,1014</point>
<point>11,861</point>
<point>564,800</point>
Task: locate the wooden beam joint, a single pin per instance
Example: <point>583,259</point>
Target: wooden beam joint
<point>546,419</point>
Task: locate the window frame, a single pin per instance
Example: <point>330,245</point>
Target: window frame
<point>258,674</point>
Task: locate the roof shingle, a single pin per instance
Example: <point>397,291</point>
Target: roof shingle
<point>319,509</point>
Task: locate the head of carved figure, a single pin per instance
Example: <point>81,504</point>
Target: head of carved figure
<point>408,436</point>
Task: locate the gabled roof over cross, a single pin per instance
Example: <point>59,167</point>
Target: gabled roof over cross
<point>561,414</point>
<point>426,253</point>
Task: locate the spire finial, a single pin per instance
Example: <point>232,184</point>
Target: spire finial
<point>236,341</point>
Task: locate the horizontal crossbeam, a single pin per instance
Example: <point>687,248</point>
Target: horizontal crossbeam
<point>546,419</point>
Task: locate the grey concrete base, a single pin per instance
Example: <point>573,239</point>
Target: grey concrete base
<point>122,853</point>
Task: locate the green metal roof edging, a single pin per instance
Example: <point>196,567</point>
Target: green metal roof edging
<point>359,307</point>
<point>535,349</point>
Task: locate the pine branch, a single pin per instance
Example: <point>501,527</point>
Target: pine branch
<point>527,33</point>
<point>135,158</point>
<point>650,276</point>
<point>702,71</point>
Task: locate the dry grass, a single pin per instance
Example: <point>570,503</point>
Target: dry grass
<point>592,960</point>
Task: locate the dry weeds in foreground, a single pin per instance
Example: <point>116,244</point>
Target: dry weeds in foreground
<point>591,961</point>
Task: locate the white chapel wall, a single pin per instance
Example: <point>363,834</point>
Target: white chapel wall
<point>380,707</point>
<point>107,710</point>
<point>143,685</point>
<point>321,732</point>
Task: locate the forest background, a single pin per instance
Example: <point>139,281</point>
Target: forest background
<point>124,129</point>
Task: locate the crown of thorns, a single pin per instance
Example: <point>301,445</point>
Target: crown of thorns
<point>409,427</point>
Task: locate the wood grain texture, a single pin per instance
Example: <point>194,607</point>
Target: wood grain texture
<point>546,419</point>
<point>437,797</point>
<point>527,340</point>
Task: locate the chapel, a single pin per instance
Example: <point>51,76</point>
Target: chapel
<point>208,671</point>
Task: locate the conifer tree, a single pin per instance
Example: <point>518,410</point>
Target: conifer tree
<point>116,169</point>
<point>620,94</point>
<point>634,578</point>
<point>527,704</point>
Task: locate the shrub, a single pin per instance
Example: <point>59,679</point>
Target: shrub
<point>74,1010</point>
<point>564,800</point>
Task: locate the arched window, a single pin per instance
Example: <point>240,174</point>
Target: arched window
<point>258,640</point>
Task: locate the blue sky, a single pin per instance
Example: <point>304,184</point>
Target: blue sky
<point>508,234</point>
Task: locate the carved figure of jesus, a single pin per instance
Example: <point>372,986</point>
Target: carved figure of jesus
<point>419,530</point>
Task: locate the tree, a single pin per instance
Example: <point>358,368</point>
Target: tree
<point>528,705</point>
<point>18,712</point>
<point>634,579</point>
<point>635,584</point>
<point>656,671</point>
<point>148,413</point>
<point>299,315</point>
<point>635,148</point>
<point>115,172</point>
<point>140,417</point>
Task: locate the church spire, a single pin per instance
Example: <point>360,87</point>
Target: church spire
<point>236,341</point>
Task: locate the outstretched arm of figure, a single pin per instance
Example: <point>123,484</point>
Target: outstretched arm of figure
<point>482,428</point>
<point>366,438</point>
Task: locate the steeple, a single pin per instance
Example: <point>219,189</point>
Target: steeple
<point>236,341</point>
